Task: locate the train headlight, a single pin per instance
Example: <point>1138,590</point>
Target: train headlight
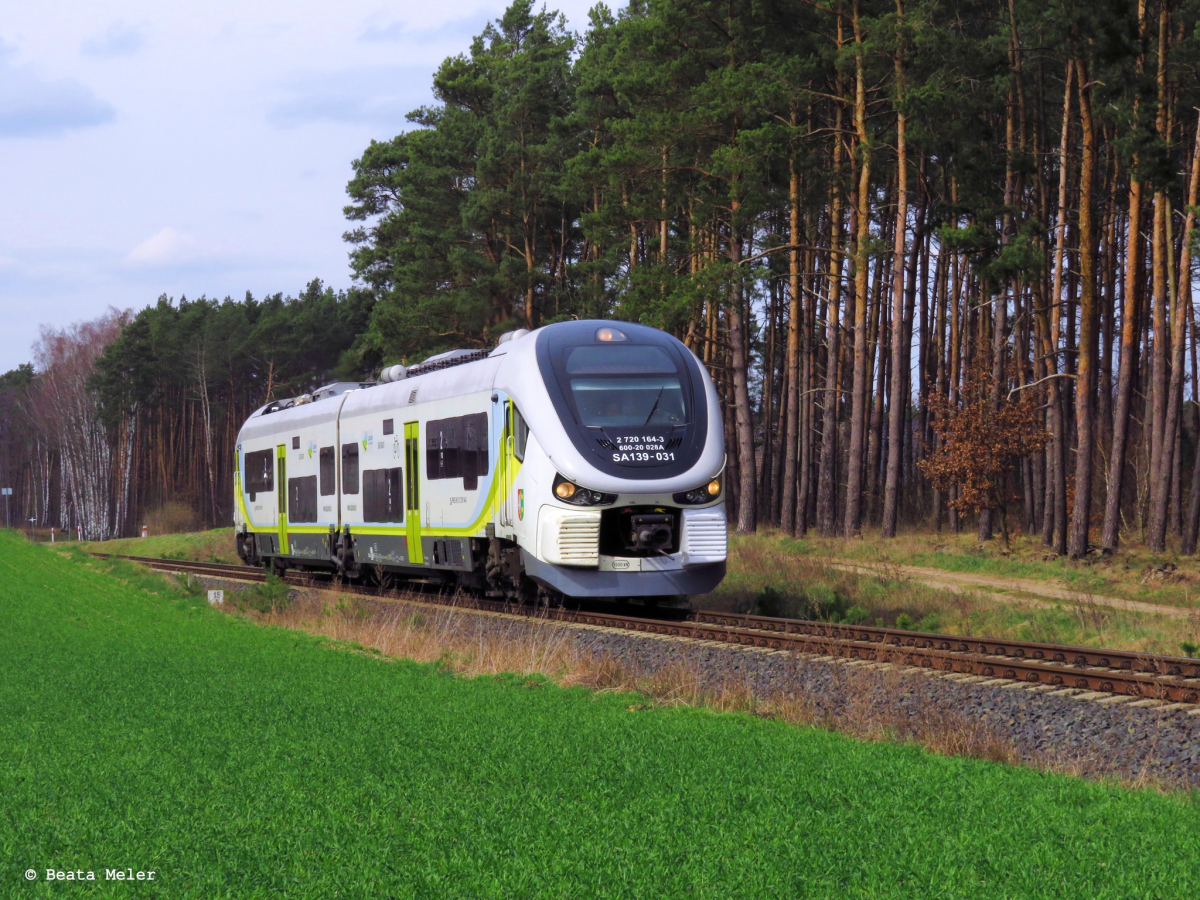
<point>569,492</point>
<point>696,496</point>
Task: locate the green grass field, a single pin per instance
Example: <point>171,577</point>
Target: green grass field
<point>140,729</point>
<point>203,546</point>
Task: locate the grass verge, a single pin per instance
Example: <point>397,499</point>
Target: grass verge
<point>776,575</point>
<point>1133,573</point>
<point>148,731</point>
<point>202,546</point>
<point>772,574</point>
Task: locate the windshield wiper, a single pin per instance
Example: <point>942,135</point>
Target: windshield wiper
<point>655,406</point>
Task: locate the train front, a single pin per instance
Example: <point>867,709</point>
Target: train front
<point>621,489</point>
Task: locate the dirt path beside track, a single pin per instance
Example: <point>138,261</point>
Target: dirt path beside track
<point>1024,590</point>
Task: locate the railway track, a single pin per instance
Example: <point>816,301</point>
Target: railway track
<point>1117,672</point>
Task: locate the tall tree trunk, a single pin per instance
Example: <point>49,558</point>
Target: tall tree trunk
<point>1086,371</point>
<point>1055,529</point>
<point>826,482</point>
<point>1158,373</point>
<point>1191,524</point>
<point>1180,301</point>
<point>789,513</point>
<point>1162,477</point>
<point>1116,468</point>
<point>741,390</point>
<point>858,393</point>
<point>896,400</point>
<point>1159,439</point>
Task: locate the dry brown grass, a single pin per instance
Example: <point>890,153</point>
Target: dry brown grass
<point>1133,573</point>
<point>473,644</point>
<point>875,710</point>
<point>882,594</point>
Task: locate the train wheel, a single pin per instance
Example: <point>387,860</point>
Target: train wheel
<point>549,598</point>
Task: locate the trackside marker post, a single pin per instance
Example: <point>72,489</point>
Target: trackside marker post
<point>216,598</point>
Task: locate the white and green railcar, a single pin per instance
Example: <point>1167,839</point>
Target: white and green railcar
<point>583,458</point>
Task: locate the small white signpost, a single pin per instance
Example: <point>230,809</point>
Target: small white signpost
<point>216,598</point>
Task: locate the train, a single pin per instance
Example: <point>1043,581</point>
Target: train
<point>583,459</point>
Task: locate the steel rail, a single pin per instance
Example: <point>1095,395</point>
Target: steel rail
<point>1121,672</point>
<point>239,571</point>
<point>1051,653</point>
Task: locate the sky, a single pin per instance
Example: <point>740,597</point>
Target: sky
<point>150,148</point>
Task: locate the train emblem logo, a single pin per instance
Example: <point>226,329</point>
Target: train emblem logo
<point>521,504</point>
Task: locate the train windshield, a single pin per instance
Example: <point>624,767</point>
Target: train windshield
<point>625,386</point>
<point>617,385</point>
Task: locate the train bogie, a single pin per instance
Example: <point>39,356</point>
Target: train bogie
<point>584,458</point>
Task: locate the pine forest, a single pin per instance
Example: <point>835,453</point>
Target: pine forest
<point>937,256</point>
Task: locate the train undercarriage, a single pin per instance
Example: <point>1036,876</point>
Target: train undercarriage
<point>496,570</point>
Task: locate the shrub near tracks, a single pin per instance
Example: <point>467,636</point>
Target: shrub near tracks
<point>149,732</point>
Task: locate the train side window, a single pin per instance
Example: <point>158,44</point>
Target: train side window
<point>473,457</point>
<point>383,495</point>
<point>260,472</point>
<point>520,434</point>
<point>350,468</point>
<point>441,449</point>
<point>457,448</point>
<point>389,426</point>
<point>296,442</point>
<point>328,472</point>
<point>302,499</point>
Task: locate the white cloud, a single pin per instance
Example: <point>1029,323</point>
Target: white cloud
<point>459,28</point>
<point>33,106</point>
<point>379,96</point>
<point>119,40</point>
<point>167,247</point>
<point>392,31</point>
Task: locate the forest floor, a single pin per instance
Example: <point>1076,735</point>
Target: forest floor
<point>141,728</point>
<point>1160,579</point>
<point>937,582</point>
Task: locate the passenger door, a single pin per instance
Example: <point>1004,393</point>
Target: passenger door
<point>281,494</point>
<point>412,492</point>
<point>504,467</point>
